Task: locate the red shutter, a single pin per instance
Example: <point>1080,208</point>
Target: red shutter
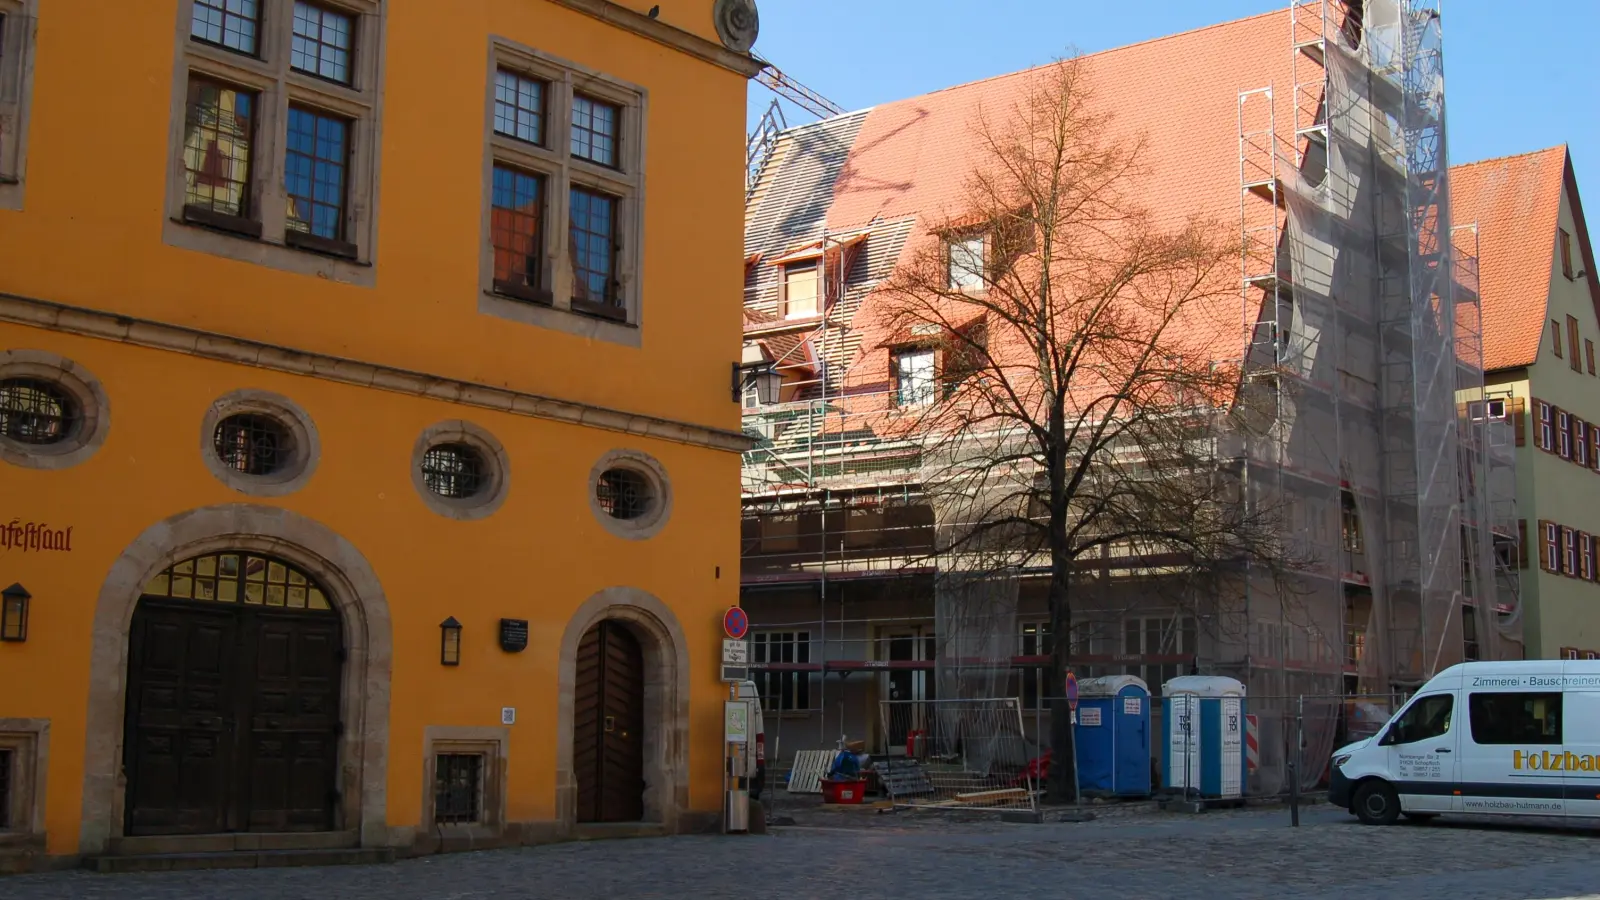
<point>1519,419</point>
<point>1522,543</point>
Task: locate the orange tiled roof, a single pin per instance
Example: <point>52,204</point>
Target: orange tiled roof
<point>1179,94</point>
<point>1516,201</point>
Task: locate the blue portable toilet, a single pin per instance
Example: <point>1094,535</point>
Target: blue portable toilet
<point>1113,736</point>
<point>1202,731</point>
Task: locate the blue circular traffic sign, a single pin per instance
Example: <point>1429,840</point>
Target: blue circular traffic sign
<point>735,623</point>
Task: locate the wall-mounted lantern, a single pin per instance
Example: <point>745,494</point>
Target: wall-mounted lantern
<point>450,642</point>
<point>761,375</point>
<point>14,613</point>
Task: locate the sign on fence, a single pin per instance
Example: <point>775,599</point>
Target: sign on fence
<point>1089,717</point>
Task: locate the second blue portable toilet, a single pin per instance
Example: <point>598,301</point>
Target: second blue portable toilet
<point>1202,730</point>
<point>1113,736</point>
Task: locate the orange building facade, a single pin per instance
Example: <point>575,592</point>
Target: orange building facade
<point>345,499</point>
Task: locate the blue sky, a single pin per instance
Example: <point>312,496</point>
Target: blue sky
<point>1519,76</point>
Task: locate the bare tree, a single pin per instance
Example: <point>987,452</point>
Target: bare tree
<point>1088,401</point>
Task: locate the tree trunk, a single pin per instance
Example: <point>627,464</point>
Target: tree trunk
<point>1063,783</point>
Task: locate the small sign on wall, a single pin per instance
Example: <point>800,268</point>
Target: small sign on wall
<point>513,635</point>
<point>1089,716</point>
<point>508,715</point>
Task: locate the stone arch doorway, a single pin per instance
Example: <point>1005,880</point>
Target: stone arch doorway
<point>232,716</point>
<point>617,617</point>
<point>608,725</point>
<point>352,591</point>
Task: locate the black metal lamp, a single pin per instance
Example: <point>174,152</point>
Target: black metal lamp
<point>14,613</point>
<point>450,642</point>
<point>761,375</point>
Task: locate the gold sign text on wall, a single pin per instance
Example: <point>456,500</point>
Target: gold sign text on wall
<point>30,536</point>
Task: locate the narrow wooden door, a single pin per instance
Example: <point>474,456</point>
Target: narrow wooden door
<point>179,748</point>
<point>290,761</point>
<point>608,726</point>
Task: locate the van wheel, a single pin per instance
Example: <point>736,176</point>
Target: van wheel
<point>1422,818</point>
<point>1376,803</point>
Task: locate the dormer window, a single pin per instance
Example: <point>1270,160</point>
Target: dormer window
<point>966,263</point>
<point>914,376</point>
<point>800,289</point>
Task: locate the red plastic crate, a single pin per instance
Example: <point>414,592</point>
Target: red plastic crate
<point>846,792</point>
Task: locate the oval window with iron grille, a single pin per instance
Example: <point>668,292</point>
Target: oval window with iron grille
<point>630,494</point>
<point>460,470</point>
<point>455,471</point>
<point>53,412</point>
<point>254,444</point>
<point>259,443</point>
<point>35,411</point>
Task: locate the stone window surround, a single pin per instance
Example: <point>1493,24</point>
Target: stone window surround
<point>278,85</point>
<point>84,389</point>
<point>641,463</point>
<point>307,445</point>
<point>364,696</point>
<point>29,743</point>
<point>497,469</point>
<point>16,90</point>
<point>493,744</point>
<point>562,171</point>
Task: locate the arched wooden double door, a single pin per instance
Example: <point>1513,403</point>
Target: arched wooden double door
<point>608,725</point>
<point>233,700</point>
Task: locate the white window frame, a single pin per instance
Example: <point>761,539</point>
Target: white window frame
<point>916,388</point>
<point>1563,434</point>
<point>563,171</point>
<point>789,271</point>
<point>1546,426</point>
<point>786,686</point>
<point>960,256</point>
<point>1569,551</point>
<point>17,34</point>
<point>278,86</point>
<point>1552,547</point>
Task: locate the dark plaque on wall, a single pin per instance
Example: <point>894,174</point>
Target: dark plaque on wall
<point>513,635</point>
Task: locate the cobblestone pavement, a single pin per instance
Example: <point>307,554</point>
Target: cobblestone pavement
<point>1243,853</point>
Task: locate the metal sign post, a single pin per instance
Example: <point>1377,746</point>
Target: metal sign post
<point>733,669</point>
<point>1072,710</point>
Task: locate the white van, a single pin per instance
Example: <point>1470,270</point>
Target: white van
<point>756,760</point>
<point>1505,738</point>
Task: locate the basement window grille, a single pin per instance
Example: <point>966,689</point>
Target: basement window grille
<point>457,788</point>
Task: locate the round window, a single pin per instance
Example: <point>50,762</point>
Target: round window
<point>35,411</point>
<point>630,494</point>
<point>624,494</point>
<point>455,471</point>
<point>254,444</point>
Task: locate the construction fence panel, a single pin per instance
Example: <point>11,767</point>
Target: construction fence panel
<point>1285,731</point>
<point>958,754</point>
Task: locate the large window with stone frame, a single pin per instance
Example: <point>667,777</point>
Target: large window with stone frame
<point>276,112</point>
<point>564,193</point>
<point>17,27</point>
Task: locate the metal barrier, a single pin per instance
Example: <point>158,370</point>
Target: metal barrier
<point>966,754</point>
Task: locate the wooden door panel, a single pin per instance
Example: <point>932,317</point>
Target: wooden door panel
<point>292,759</point>
<point>608,725</point>
<point>586,725</point>
<point>179,742</point>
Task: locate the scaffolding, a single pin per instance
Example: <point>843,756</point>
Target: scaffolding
<point>1361,329</point>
